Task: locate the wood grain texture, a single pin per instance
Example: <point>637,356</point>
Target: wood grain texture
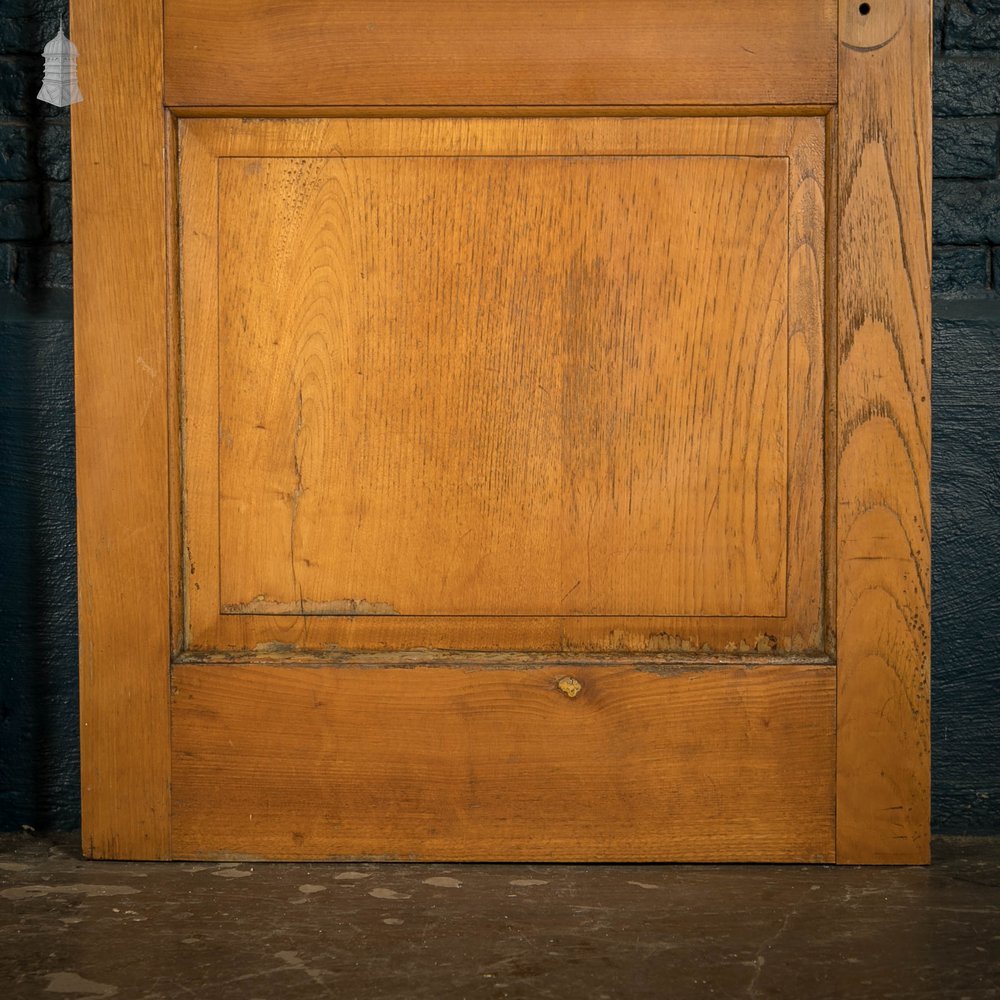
<point>650,759</point>
<point>498,400</point>
<point>500,52</point>
<point>433,763</point>
<point>883,629</point>
<point>122,513</point>
<point>475,412</point>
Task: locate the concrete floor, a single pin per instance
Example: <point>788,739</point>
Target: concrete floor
<point>601,932</point>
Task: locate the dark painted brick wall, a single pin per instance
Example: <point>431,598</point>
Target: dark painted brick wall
<point>39,764</point>
<point>966,478</point>
<point>967,149</point>
<point>39,768</point>
<point>965,705</point>
<point>34,155</point>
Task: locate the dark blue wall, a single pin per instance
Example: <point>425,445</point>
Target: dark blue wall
<point>39,766</point>
<point>966,477</point>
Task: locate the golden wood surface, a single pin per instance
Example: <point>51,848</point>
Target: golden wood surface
<point>883,528</point>
<point>448,762</point>
<point>121,426</point>
<point>714,731</point>
<point>500,52</point>
<point>476,419</point>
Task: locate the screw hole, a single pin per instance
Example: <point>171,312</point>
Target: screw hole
<point>864,9</point>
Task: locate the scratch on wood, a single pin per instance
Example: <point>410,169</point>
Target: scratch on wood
<point>347,606</point>
<point>294,498</point>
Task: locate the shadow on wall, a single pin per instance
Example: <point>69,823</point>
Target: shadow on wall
<point>965,494</point>
<point>39,761</point>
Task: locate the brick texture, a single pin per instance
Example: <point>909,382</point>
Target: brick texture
<point>962,271</point>
<point>974,25</point>
<point>967,149</point>
<point>35,207</point>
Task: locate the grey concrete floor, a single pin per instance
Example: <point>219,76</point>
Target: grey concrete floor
<point>603,932</point>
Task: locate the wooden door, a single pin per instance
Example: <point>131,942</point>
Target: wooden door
<point>502,429</point>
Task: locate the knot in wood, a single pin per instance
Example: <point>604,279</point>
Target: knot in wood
<point>570,686</point>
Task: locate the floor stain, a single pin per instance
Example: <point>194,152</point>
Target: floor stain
<point>34,891</point>
<point>388,894</point>
<point>292,960</point>
<point>70,982</point>
<point>443,881</point>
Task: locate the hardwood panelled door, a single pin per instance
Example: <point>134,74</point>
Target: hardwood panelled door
<point>503,429</point>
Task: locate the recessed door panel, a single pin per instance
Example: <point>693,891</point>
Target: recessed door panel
<point>503,385</point>
<point>505,371</point>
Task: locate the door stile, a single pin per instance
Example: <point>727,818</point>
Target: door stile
<point>883,625</point>
<point>120,306</point>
